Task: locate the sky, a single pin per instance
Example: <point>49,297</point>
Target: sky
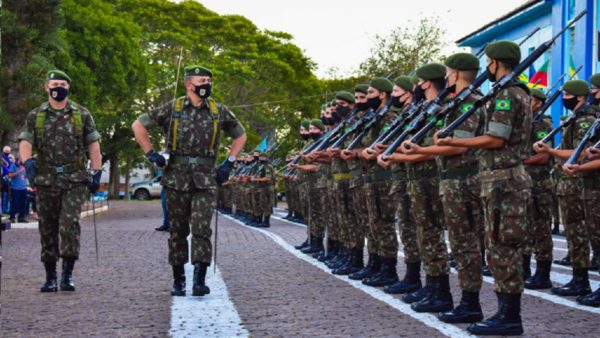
<point>340,34</point>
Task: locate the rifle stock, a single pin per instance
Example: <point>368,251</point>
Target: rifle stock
<point>591,133</point>
<point>566,122</point>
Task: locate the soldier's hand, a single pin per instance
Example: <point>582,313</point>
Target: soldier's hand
<point>347,155</point>
<point>412,148</point>
<point>571,169</point>
<point>593,153</point>
<point>381,147</point>
<point>369,154</point>
<point>31,168</point>
<point>156,158</point>
<point>94,181</point>
<point>223,172</point>
<point>384,161</point>
<point>541,147</point>
<point>441,141</point>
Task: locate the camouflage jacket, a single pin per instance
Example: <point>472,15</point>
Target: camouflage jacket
<point>538,132</point>
<point>353,164</point>
<point>372,167</point>
<point>266,171</point>
<point>194,135</point>
<point>60,145</point>
<point>427,142</point>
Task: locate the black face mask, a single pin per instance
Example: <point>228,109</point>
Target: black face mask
<point>315,136</point>
<point>362,106</point>
<point>239,161</point>
<point>305,136</point>
<point>342,111</point>
<point>59,94</point>
<point>255,158</point>
<point>451,89</point>
<point>419,93</point>
<point>491,77</point>
<point>593,100</point>
<point>570,104</point>
<point>204,90</point>
<point>374,102</point>
<point>335,117</point>
<point>263,161</point>
<point>287,161</point>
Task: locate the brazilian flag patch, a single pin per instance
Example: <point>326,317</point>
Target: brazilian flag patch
<point>407,126</point>
<point>268,170</point>
<point>385,128</point>
<point>467,107</point>
<point>346,129</point>
<point>502,104</point>
<point>367,125</point>
<point>541,135</point>
<point>584,125</point>
<point>439,123</point>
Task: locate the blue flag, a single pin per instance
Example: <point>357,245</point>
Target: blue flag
<point>263,145</point>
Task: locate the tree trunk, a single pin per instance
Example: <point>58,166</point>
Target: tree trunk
<point>114,183</point>
<point>127,169</point>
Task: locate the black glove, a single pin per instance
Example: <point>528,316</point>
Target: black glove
<point>223,172</point>
<point>94,181</point>
<point>30,167</point>
<point>156,158</point>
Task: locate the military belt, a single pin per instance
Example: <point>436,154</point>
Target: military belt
<point>591,183</point>
<point>312,177</point>
<point>400,175</point>
<point>540,175</point>
<point>64,169</point>
<point>417,175</point>
<point>502,174</point>
<point>565,175</point>
<point>329,176</point>
<point>356,173</point>
<point>380,176</point>
<point>339,177</point>
<point>205,161</point>
<point>460,173</point>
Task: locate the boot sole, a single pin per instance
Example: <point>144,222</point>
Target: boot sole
<point>419,309</point>
<point>538,287</point>
<point>571,294</point>
<point>345,273</point>
<point>49,290</point>
<point>403,291</point>
<point>177,294</point>
<point>377,284</point>
<point>67,289</point>
<point>200,294</point>
<point>461,320</point>
<point>490,332</point>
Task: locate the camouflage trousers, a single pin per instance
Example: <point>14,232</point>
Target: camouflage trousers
<point>382,214</point>
<point>190,210</point>
<point>289,198</point>
<point>59,212</point>
<point>572,209</point>
<point>464,230</point>
<point>318,221</point>
<point>539,219</point>
<point>361,228</point>
<point>505,243</point>
<point>304,198</point>
<point>429,215</point>
<point>265,200</point>
<point>592,217</point>
<point>330,215</point>
<point>345,211</point>
<point>407,225</point>
<point>225,196</point>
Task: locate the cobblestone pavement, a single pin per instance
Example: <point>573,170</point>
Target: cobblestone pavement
<point>276,291</point>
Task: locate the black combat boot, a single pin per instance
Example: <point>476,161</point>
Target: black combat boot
<point>340,261</point>
<point>178,281</point>
<point>200,288</point>
<point>387,275</point>
<point>228,211</point>
<point>332,251</point>
<point>302,246</point>
<point>372,268</point>
<point>355,263</point>
<point>51,279</point>
<point>419,294</point>
<point>440,298</point>
<point>410,283</point>
<point>541,277</point>
<point>289,215</point>
<point>316,245</point>
<point>578,286</point>
<point>468,311</point>
<point>593,299</point>
<point>526,266</point>
<point>506,322</point>
<point>66,283</point>
<point>556,230</point>
<point>594,263</point>
<point>566,261</point>
<point>266,222</point>
<point>316,255</point>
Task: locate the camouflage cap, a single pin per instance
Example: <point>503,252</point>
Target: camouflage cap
<point>404,83</point>
<point>432,71</point>
<point>538,94</point>
<point>382,84</point>
<point>361,88</point>
<point>414,79</point>
<point>577,87</point>
<point>503,50</point>
<point>305,124</point>
<point>345,96</point>
<point>263,154</point>
<point>317,123</point>
<point>595,80</point>
<point>58,75</point>
<point>197,70</point>
<point>462,61</point>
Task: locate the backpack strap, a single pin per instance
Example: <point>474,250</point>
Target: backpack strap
<point>215,114</point>
<point>40,120</point>
<point>76,114</point>
<point>179,104</point>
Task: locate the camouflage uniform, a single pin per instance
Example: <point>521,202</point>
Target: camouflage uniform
<point>460,189</point>
<point>341,198</point>
<point>319,201</point>
<point>225,196</point>
<point>190,187</point>
<point>60,196</point>
<point>539,214</point>
<point>265,191</point>
<point>506,184</point>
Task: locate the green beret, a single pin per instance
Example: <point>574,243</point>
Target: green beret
<point>243,154</point>
<point>57,75</point>
<point>506,51</point>
<point>382,84</point>
<point>323,107</point>
<point>414,79</point>
<point>263,154</point>
<point>345,96</point>
<point>197,70</point>
<point>595,80</point>
<point>538,94</point>
<point>432,71</point>
<point>328,105</point>
<point>333,103</point>
<point>361,88</point>
<point>317,123</point>
<point>404,83</point>
<point>305,124</point>
<point>577,87</point>
<point>463,61</point>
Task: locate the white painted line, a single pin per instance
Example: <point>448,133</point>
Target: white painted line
<point>213,315</point>
<point>285,220</point>
<point>428,319</point>
<point>35,225</point>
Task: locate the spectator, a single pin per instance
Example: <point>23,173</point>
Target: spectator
<point>18,190</point>
<point>5,185</point>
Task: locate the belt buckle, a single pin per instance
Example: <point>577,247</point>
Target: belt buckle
<point>192,160</point>
<point>59,169</point>
<point>495,175</point>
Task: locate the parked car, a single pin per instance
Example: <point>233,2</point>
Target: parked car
<point>146,190</point>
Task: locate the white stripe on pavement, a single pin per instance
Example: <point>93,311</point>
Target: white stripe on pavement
<point>428,319</point>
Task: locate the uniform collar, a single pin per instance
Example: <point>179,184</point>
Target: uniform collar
<point>70,106</point>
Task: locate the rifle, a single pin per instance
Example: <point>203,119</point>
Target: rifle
<point>433,108</point>
<point>550,100</point>
<point>413,126</point>
<point>591,133</point>
<point>404,117</point>
<point>336,130</point>
<point>509,78</point>
<point>566,122</point>
<point>379,115</point>
<point>307,150</point>
<point>269,158</point>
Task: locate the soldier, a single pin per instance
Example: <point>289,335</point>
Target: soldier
<point>539,214</point>
<point>506,187</point>
<point>303,183</point>
<point>288,191</point>
<point>60,131</point>
<point>193,125</point>
<point>570,192</point>
<point>264,182</point>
